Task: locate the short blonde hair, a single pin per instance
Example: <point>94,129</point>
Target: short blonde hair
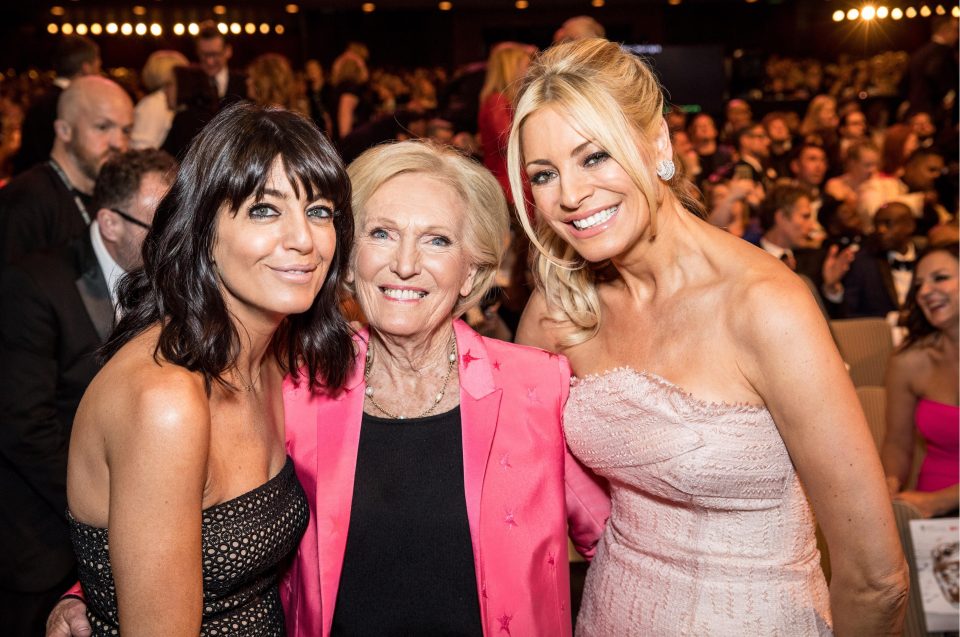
<point>487,219</point>
<point>158,70</point>
<point>617,102</point>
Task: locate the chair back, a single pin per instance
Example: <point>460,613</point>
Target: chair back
<point>874,403</point>
<point>865,345</point>
<point>915,623</point>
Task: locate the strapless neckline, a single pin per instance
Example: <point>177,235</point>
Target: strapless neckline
<point>669,386</point>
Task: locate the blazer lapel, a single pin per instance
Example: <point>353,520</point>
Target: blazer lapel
<point>886,275</point>
<point>338,434</point>
<point>92,286</point>
<point>479,410</point>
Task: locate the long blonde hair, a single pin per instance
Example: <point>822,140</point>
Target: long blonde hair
<point>617,102</point>
<point>503,69</point>
<point>273,82</point>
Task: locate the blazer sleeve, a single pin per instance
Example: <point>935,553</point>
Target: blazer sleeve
<point>32,439</point>
<point>587,498</point>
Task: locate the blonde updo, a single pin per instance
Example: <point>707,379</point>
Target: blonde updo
<point>616,102</point>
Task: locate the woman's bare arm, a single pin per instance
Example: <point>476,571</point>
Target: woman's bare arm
<point>790,358</point>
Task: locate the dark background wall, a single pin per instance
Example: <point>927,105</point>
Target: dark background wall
<point>426,36</point>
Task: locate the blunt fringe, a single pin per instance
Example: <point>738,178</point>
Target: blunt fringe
<point>178,288</point>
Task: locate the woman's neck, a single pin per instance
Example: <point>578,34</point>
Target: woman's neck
<point>399,356</point>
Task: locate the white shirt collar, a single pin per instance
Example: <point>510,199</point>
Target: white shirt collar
<point>774,249</point>
<point>110,268</point>
<point>755,163</point>
<point>909,255</point>
<point>222,78</point>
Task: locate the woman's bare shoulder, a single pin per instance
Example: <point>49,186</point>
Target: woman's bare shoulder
<point>539,328</point>
<point>138,386</point>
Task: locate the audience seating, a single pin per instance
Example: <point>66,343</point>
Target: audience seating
<point>865,345</point>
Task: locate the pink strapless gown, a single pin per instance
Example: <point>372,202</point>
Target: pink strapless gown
<point>710,532</point>
<point>939,424</point>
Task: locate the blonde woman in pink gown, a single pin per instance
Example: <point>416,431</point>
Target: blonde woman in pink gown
<point>709,392</point>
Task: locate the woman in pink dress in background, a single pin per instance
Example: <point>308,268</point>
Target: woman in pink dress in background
<point>506,65</point>
<point>922,391</point>
<point>709,391</point>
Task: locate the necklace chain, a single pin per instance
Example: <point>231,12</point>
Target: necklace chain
<point>368,365</point>
<point>248,387</point>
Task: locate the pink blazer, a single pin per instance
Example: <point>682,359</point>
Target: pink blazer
<point>522,488</point>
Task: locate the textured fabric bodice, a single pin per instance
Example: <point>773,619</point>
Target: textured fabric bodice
<point>245,541</point>
<point>710,532</point>
<point>939,424</point>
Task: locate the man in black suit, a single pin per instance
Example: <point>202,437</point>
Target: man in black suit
<point>788,221</point>
<point>76,57</point>
<point>213,53</point>
<point>59,307</point>
<point>48,205</point>
<point>932,71</point>
<point>880,275</point>
<point>753,147</point>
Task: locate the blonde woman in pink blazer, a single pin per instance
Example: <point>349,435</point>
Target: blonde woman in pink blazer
<point>429,239</point>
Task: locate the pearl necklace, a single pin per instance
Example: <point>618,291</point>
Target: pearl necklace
<point>369,391</point>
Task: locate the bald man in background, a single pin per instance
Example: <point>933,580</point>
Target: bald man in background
<point>578,28</point>
<point>46,206</point>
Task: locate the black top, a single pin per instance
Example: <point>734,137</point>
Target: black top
<point>408,565</point>
<point>246,542</point>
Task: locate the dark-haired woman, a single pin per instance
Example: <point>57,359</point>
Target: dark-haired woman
<point>922,394</point>
<point>177,452</point>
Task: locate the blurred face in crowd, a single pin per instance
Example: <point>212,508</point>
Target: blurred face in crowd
<point>921,173</point>
<point>755,142</point>
<point>936,283</point>
<point>827,115</point>
<point>811,166</point>
<point>126,237</point>
<point>864,168</point>
<point>778,131</point>
<point>854,126</point>
<point>797,225</point>
<point>96,125</point>
<point>922,125</point>
<point>738,114</point>
<point>213,53</point>
<point>411,261</point>
<point>703,129</point>
<point>894,225</point>
<point>314,72</point>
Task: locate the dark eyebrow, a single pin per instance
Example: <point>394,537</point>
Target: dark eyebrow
<point>576,151</point>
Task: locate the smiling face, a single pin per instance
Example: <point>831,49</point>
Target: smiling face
<point>273,253</point>
<point>936,282</point>
<point>411,262</point>
<point>588,199</point>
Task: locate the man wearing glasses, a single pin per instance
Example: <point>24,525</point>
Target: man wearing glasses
<point>58,308</point>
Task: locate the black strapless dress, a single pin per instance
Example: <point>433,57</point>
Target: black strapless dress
<point>246,542</point>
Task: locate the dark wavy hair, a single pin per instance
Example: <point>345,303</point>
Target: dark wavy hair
<point>178,287</point>
<point>916,322</point>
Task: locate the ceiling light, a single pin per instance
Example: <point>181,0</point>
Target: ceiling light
<point>896,13</point>
<point>279,29</point>
<point>67,28</point>
<point>521,4</point>
<point>57,10</point>
<point>112,27</point>
<point>445,6</point>
<point>126,28</point>
<point>868,13</point>
<point>52,28</point>
<point>838,15</point>
<point>853,14</point>
<point>882,12</point>
<point>292,8</point>
<point>925,11</point>
<point>264,28</point>
<point>96,28</point>
<point>139,10</point>
<point>81,29</point>
<point>368,7</point>
<point>193,28</point>
<point>156,30</point>
<point>219,9</point>
<point>141,28</point>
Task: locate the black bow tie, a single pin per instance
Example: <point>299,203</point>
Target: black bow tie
<point>903,266</point>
